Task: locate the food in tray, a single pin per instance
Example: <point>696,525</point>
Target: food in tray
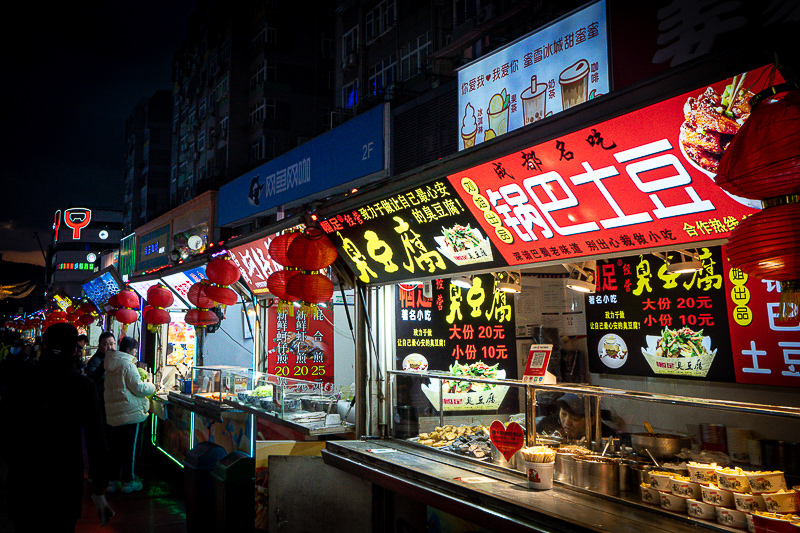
<point>262,391</point>
<point>574,449</point>
<point>460,238</point>
<point>443,436</point>
<point>478,369</point>
<point>683,342</point>
<point>711,121</point>
<point>211,395</point>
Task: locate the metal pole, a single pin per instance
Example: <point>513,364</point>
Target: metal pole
<point>360,362</point>
<point>598,430</point>
<point>587,419</point>
<point>530,415</point>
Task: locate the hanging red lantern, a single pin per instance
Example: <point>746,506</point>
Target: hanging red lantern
<point>276,283</point>
<point>126,316</point>
<point>220,295</point>
<point>201,317</point>
<point>72,317</point>
<point>112,312</point>
<point>197,296</point>
<point>160,296</point>
<point>310,288</point>
<point>128,298</point>
<point>156,316</point>
<point>222,271</point>
<point>71,309</point>
<point>311,250</point>
<point>279,246</point>
<point>113,301</point>
<point>58,316</point>
<point>86,319</point>
<point>763,159</point>
<point>86,308</point>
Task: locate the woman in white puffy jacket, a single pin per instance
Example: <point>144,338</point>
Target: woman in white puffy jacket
<point>127,406</point>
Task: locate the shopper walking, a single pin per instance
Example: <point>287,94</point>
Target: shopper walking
<point>127,406</point>
<point>44,445</point>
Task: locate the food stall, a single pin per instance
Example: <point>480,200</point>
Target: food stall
<point>615,194</point>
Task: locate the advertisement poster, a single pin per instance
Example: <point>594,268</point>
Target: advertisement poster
<point>255,263</point>
<point>302,346</point>
<point>422,232</point>
<point>644,321</point>
<point>458,330</point>
<point>183,281</point>
<point>635,182</point>
<point>766,349</point>
<point>557,67</point>
<point>181,342</point>
<point>231,433</point>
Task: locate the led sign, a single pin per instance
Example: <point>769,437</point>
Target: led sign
<point>75,218</point>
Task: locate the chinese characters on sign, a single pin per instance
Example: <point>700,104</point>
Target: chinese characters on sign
<point>255,263</point>
<point>302,346</point>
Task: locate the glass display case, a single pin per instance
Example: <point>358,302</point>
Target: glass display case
<point>299,403</point>
<point>208,386</point>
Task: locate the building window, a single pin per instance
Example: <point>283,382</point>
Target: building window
<point>380,19</point>
<point>257,40</point>
<point>257,113</point>
<point>271,70</point>
<point>222,87</point>
<point>413,56</point>
<point>382,74</point>
<point>350,95</point>
<point>270,108</point>
<point>201,108</point>
<point>258,76</point>
<point>270,35</point>
<point>257,150</point>
<point>174,174</point>
<point>223,127</point>
<point>350,42</point>
<point>201,141</point>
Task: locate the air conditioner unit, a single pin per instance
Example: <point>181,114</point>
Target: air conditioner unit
<point>483,15</point>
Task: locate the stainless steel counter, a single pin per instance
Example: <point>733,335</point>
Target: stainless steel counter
<point>503,502</point>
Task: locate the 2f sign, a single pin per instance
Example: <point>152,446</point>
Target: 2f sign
<point>367,148</point>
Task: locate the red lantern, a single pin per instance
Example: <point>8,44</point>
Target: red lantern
<point>311,250</point>
<point>73,317</point>
<point>766,245</point>
<point>112,312</point>
<point>310,288</point>
<point>763,159</point>
<point>197,296</point>
<point>156,316</point>
<point>86,319</point>
<point>113,301</point>
<point>71,309</point>
<point>201,317</point>
<point>127,298</point>
<point>159,296</point>
<point>86,308</point>
<point>126,316</point>
<point>221,295</point>
<point>222,271</point>
<point>58,316</point>
<point>279,246</point>
<point>276,283</point>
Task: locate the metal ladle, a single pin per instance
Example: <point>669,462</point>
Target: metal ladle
<point>653,458</point>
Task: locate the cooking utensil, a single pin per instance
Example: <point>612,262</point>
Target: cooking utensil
<point>660,445</point>
<point>597,474</point>
<point>352,403</point>
<point>648,427</point>
<point>605,448</point>
<point>652,458</point>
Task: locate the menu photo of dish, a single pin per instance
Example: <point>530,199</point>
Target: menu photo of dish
<point>458,395</point>
<point>613,350</point>
<point>679,351</point>
<point>464,245</point>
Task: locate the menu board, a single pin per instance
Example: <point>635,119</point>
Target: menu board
<point>141,287</point>
<point>302,346</point>
<point>101,287</point>
<point>422,232</point>
<point>255,263</point>
<point>457,330</point>
<point>644,321</point>
<point>632,183</point>
<point>766,348</point>
<point>181,282</point>
<point>181,341</point>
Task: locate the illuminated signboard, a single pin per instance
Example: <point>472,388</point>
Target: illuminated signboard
<point>140,287</point>
<point>301,346</point>
<point>102,286</point>
<point>255,263</point>
<point>127,255</point>
<point>62,300</point>
<point>151,248</point>
<point>557,67</point>
<point>75,219</point>
<point>183,281</point>
<point>75,266</point>
<point>423,232</point>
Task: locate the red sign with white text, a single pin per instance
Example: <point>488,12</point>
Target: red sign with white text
<point>639,181</point>
<point>255,264</point>
<point>538,359</point>
<point>766,349</point>
<point>301,346</point>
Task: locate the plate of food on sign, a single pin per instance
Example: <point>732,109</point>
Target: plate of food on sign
<point>680,351</point>
<point>612,350</point>
<point>472,395</point>
<point>711,120</point>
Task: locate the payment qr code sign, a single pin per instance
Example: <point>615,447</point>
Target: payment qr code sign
<point>538,358</point>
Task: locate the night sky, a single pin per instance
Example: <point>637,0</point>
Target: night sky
<point>73,73</point>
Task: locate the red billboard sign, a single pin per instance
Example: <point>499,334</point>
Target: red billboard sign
<point>640,181</point>
<point>255,263</point>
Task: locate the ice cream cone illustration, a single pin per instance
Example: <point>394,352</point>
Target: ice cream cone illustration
<point>498,113</point>
<point>469,126</point>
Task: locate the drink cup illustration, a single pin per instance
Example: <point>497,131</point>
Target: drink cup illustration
<point>469,126</point>
<point>575,84</point>
<point>498,113</point>
<point>534,100</point>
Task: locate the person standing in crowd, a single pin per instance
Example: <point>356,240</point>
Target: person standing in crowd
<point>97,373</point>
<point>127,406</point>
<point>66,409</point>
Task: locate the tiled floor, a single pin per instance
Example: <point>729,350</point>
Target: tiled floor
<point>159,508</point>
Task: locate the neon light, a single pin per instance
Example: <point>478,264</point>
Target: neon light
<point>77,218</point>
<point>153,440</point>
<point>57,223</point>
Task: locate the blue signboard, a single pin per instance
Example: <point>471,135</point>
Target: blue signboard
<point>351,151</point>
<point>101,287</point>
<point>151,249</point>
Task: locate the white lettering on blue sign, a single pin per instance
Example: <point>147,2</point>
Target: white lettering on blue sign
<point>288,178</point>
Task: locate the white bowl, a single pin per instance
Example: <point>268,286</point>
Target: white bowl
<point>747,503</point>
<point>751,527</point>
<point>661,480</point>
<point>680,486</point>
<point>701,509</point>
<point>733,479</point>
<point>717,496</point>
<point>671,502</point>
<point>766,482</point>
<point>703,473</point>
<point>731,518</point>
<point>781,502</point>
<point>650,495</point>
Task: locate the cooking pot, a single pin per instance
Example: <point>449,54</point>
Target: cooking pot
<point>660,445</point>
<point>597,474</point>
<point>317,403</point>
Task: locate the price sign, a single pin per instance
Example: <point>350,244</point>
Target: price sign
<point>302,346</point>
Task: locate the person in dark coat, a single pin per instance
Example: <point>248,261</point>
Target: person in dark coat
<point>49,422</point>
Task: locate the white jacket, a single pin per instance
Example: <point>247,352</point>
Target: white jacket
<point>125,392</point>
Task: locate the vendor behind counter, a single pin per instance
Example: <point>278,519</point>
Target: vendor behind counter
<point>566,417</point>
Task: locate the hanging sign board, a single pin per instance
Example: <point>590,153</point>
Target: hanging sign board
<point>301,346</point>
<point>635,182</point>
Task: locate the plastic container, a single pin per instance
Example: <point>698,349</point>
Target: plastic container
<point>731,518</point>
<point>540,475</point>
<point>701,509</point>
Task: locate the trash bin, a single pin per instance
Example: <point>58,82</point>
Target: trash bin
<point>234,486</point>
<point>199,487</point>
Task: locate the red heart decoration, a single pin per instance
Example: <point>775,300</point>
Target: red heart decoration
<point>508,439</point>
<point>488,77</point>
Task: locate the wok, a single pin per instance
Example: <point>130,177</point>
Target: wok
<point>660,445</point>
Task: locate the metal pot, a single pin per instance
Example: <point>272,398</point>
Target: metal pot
<point>660,445</point>
<point>597,474</point>
<point>316,403</point>
<point>564,468</point>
